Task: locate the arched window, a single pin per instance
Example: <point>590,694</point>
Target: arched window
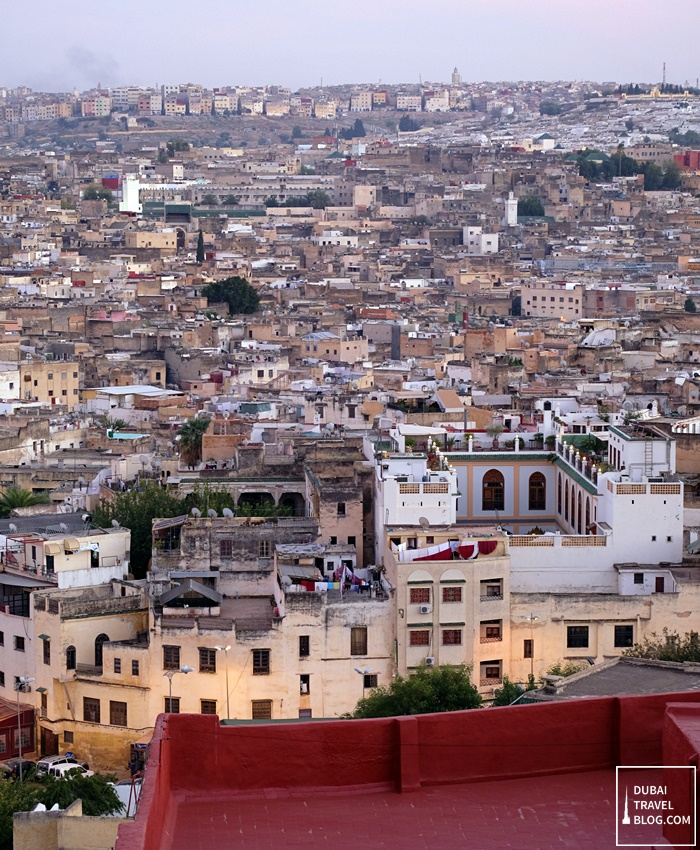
<point>566,502</point>
<point>578,514</point>
<point>70,658</point>
<point>573,507</point>
<point>559,495</point>
<point>492,497</point>
<point>588,516</point>
<point>547,405</point>
<point>537,492</point>
<point>99,640</point>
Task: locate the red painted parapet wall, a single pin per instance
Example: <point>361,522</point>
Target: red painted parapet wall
<point>193,755</point>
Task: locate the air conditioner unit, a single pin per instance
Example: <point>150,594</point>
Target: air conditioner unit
<point>425,609</point>
<point>430,661</point>
<point>304,688</point>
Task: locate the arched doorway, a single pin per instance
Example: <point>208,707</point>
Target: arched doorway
<point>492,493</point>
<point>537,492</point>
<point>255,504</point>
<point>292,504</point>
<point>588,515</point>
<point>579,513</point>
<point>99,640</point>
<point>559,488</point>
<point>181,239</point>
<point>566,503</point>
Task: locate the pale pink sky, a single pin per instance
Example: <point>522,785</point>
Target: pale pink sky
<point>55,46</point>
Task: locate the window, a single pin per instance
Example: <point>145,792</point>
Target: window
<point>117,665</point>
<point>352,541</point>
<point>639,578</point>
<point>264,549</point>
<point>371,680</point>
<point>207,706</point>
<point>99,641</point>
<point>67,737</point>
<point>492,497</point>
<point>341,508</point>
<point>171,658</point>
<point>26,739</point>
<point>134,668</point>
<point>419,638</point>
<point>47,651</point>
<point>358,640</point>
<point>91,710</point>
<point>451,637</point>
<point>304,683</point>
<point>2,679</point>
<point>653,538</point>
<point>261,709</point>
<point>305,713</point>
<point>492,669</point>
<point>207,660</point>
<point>451,594</point>
<point>528,647</point>
<point>624,636</point>
<point>226,548</point>
<point>576,637</point>
<point>537,492</point>
<point>334,540</point>
<point>419,595</point>
<point>117,713</point>
<point>75,375</point>
<point>19,643</point>
<point>304,646</point>
<point>70,658</point>
<point>2,638</point>
<point>172,706</point>
<point>261,662</point>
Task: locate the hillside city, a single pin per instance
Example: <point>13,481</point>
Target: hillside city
<point>304,391</point>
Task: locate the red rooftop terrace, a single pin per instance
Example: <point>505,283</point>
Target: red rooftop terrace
<point>537,776</point>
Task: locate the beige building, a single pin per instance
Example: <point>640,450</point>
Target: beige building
<point>66,829</point>
<point>562,301</point>
<point>50,382</point>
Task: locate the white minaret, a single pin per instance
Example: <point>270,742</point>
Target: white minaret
<point>456,78</point>
<point>511,216</point>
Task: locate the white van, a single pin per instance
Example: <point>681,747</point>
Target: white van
<point>43,765</point>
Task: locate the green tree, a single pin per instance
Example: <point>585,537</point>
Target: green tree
<point>18,497</point>
<point>510,691</point>
<point>296,132</point>
<point>549,108</point>
<point>318,199</point>
<point>94,192</point>
<point>176,145</point>
<point>205,496</point>
<point>209,200</point>
<point>200,247</point>
<point>629,123</point>
<point>240,296</point>
<point>689,305</point>
<point>95,792</point>
<point>672,176</point>
<point>560,668</point>
<point>136,509</point>
<point>271,201</point>
<point>668,646</point>
<point>408,124</point>
<point>191,434</point>
<point>231,200</point>
<point>429,689</point>
<point>653,177</point>
<point>14,797</point>
<point>530,205</point>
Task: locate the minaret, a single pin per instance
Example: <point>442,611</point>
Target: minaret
<point>456,79</point>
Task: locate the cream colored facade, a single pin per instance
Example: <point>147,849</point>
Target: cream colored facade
<point>67,829</point>
<point>552,300</point>
<point>51,382</point>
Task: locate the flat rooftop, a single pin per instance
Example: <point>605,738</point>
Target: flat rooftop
<point>574,811</point>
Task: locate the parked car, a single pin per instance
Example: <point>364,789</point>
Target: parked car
<point>43,765</point>
<point>12,767</point>
<point>60,770</point>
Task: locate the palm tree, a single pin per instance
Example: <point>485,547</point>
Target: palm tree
<point>18,497</point>
<point>231,200</point>
<point>191,434</point>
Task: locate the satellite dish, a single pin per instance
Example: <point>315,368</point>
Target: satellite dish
<point>115,523</point>
<point>286,581</point>
<point>212,514</point>
<point>196,512</point>
<point>12,527</point>
<point>63,526</point>
<point>424,523</point>
<point>143,459</point>
<point>228,513</point>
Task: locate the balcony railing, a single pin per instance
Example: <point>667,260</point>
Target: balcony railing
<point>485,683</point>
<point>490,597</point>
<point>491,639</point>
<point>579,462</point>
